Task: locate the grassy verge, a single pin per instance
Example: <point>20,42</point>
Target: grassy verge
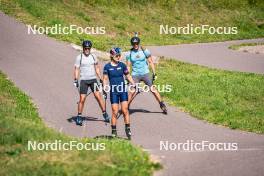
<point>122,17</point>
<point>236,47</point>
<point>19,123</point>
<point>227,98</point>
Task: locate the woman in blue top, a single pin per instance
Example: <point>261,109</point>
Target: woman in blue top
<point>115,71</point>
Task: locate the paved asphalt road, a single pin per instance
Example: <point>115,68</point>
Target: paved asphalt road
<point>43,68</point>
<point>216,55</point>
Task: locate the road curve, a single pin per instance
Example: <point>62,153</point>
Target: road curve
<point>43,68</point>
<point>215,55</point>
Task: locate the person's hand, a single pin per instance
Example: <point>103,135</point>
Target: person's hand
<point>76,83</point>
<point>154,76</point>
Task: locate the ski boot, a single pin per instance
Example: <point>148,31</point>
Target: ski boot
<point>106,117</point>
<point>114,133</point>
<point>128,133</point>
<point>79,120</point>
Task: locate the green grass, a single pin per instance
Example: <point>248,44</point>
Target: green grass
<point>19,123</point>
<point>232,99</point>
<point>121,18</point>
<point>236,47</point>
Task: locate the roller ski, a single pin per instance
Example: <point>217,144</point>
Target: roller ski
<point>163,108</point>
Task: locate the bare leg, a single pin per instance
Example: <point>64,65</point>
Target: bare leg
<point>158,98</point>
<point>80,109</point>
<point>114,114</point>
<point>99,99</point>
<point>124,108</point>
<point>81,103</point>
<point>155,93</point>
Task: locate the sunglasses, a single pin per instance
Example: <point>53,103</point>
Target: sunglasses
<point>135,44</point>
<point>118,55</point>
<point>87,48</point>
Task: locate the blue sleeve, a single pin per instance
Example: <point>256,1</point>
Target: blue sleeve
<point>147,53</point>
<point>105,72</point>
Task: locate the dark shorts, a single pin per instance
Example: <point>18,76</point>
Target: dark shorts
<point>145,78</point>
<point>116,97</point>
<point>85,84</point>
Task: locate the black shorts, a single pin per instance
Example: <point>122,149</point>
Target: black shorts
<point>85,84</point>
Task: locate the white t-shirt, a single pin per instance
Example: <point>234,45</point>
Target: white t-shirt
<point>87,66</point>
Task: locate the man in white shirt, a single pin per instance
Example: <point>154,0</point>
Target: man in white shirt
<point>87,71</point>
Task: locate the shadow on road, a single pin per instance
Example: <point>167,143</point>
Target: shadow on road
<point>131,111</point>
<point>109,137</point>
<point>73,119</point>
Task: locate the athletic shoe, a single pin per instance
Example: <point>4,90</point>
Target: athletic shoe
<point>128,133</point>
<point>114,133</point>
<point>79,120</point>
<point>106,117</point>
<point>163,107</point>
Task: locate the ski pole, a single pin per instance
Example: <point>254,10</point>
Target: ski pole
<point>154,77</point>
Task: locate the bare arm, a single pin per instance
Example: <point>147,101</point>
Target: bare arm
<point>76,73</point>
<point>151,63</point>
<point>128,64</point>
<point>97,71</point>
<point>105,78</point>
<point>128,76</point>
<point>130,79</point>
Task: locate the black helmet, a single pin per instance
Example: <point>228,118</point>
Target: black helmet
<point>87,44</point>
<point>135,40</point>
